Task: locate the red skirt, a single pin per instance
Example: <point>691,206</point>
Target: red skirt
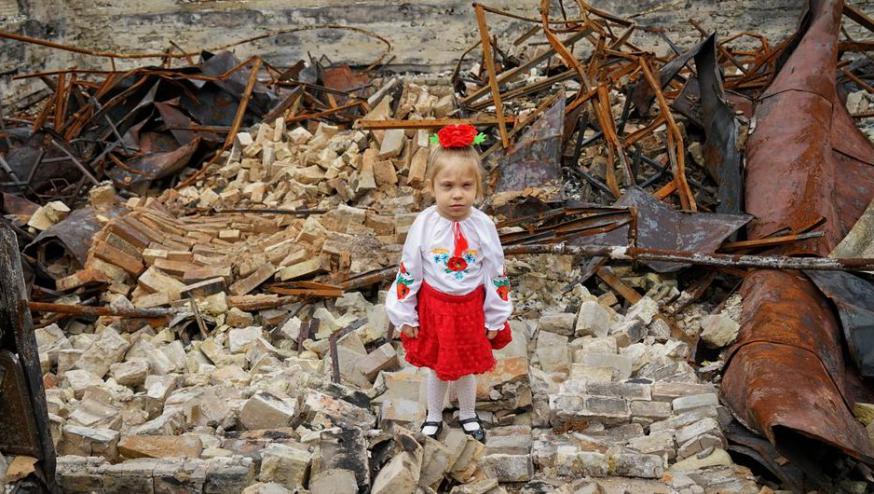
<point>452,334</point>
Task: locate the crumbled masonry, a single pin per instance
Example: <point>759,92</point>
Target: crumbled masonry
<point>204,247</point>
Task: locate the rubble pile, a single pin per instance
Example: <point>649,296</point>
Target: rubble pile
<point>209,312</point>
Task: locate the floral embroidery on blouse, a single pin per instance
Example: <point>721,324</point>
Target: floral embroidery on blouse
<point>404,280</point>
<point>456,266</point>
<point>502,286</point>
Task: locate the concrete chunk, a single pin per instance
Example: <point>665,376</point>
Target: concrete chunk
<point>334,481</point>
<point>107,349</point>
<point>634,465</point>
<point>689,402</point>
<point>266,411</point>
<point>160,446</point>
<point>703,426</point>
<point>284,464</point>
<point>383,358</point>
<point>392,144</point>
<point>558,322</point>
<point>239,339</point>
<point>552,351</point>
<point>400,474</point>
<point>592,319</point>
<point>87,441</point>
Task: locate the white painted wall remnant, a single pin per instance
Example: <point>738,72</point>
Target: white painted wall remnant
<point>426,35</point>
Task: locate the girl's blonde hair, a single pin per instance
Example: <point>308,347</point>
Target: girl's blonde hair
<point>440,156</point>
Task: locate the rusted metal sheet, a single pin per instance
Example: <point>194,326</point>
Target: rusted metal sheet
<point>534,161</point>
<point>17,206</point>
<point>642,94</point>
<point>716,117</point>
<point>139,173</point>
<point>72,236</point>
<point>743,442</point>
<point>854,298</point>
<point>660,227</point>
<point>785,376</point>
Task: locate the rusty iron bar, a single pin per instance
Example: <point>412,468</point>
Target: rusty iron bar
<point>626,253</point>
<point>8,169</point>
<point>196,311</point>
<point>426,124</point>
<point>331,111</point>
<point>83,310</point>
<point>244,102</point>
<point>493,78</point>
<point>527,89</point>
<point>301,212</point>
<point>76,162</point>
<point>714,260</point>
<point>675,138</point>
<point>332,346</point>
<point>770,241</point>
<point>112,56</point>
<point>509,75</point>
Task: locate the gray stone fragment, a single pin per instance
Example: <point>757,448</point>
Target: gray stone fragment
<point>690,402</point>
<point>634,465</point>
<point>696,429</point>
<point>334,481</point>
<point>629,391</point>
<point>592,319</point>
<point>509,468</point>
<point>228,475</point>
<point>558,322</point>
<point>572,462</point>
<point>652,410</point>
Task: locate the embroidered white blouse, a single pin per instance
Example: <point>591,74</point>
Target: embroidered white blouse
<point>454,257</point>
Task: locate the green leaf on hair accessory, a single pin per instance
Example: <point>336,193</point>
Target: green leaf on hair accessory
<point>434,139</point>
<point>480,138</point>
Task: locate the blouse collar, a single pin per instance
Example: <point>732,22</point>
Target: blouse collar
<point>470,216</point>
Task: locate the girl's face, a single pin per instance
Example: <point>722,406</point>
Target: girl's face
<point>454,188</point>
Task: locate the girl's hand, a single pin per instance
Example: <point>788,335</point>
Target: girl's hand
<point>491,334</point>
<point>410,331</point>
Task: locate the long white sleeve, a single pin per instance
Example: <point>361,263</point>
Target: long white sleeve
<point>497,306</point>
<point>401,301</point>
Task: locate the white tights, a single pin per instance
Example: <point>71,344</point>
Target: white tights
<point>465,388</point>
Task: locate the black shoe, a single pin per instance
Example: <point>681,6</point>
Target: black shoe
<point>478,434</point>
<point>436,434</point>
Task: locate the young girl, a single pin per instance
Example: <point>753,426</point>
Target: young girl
<point>450,298</point>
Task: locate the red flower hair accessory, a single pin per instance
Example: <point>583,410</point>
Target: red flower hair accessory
<point>458,136</point>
